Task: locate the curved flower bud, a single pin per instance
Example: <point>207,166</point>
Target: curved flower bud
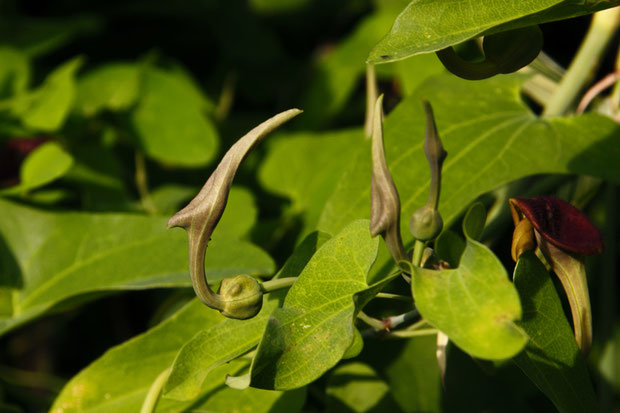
<point>564,235</point>
<point>426,222</point>
<point>384,199</point>
<point>240,296</point>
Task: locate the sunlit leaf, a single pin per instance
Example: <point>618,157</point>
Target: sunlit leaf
<point>314,328</point>
<point>50,257</point>
<point>428,25</point>
<point>475,305</point>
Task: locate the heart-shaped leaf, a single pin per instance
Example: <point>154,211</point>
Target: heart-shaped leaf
<point>475,305</point>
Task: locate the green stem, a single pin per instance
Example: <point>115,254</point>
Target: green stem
<point>413,333</point>
<point>371,321</point>
<point>142,184</point>
<point>604,25</point>
<point>397,297</point>
<point>152,397</point>
<point>615,93</point>
<point>371,98</point>
<point>277,284</point>
<point>418,250</point>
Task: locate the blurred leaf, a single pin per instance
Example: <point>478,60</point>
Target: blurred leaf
<point>37,36</point>
<point>52,257</point>
<point>46,108</point>
<point>114,86</point>
<point>475,304</point>
<point>340,69</point>
<point>171,123</point>
<point>14,72</point>
<point>169,198</point>
<point>427,26</point>
<point>414,376</point>
<point>551,358</point>
<point>43,165</point>
<point>277,6</point>
<point>313,164</point>
<point>100,177</point>
<point>229,339</point>
<point>314,328</point>
<point>491,137</point>
<point>356,387</point>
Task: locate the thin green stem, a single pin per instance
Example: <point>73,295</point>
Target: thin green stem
<point>142,184</point>
<point>413,333</point>
<point>371,97</point>
<point>396,297</point>
<point>604,25</point>
<point>615,92</point>
<point>396,320</point>
<point>371,321</point>
<point>152,397</point>
<point>277,284</point>
<point>418,250</point>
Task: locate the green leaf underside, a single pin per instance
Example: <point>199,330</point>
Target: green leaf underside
<point>427,25</point>
<point>491,138</point>
<point>314,328</point>
<point>48,257</point>
<point>221,343</point>
<point>551,358</point>
<point>475,304</point>
<point>170,121</point>
<point>119,380</point>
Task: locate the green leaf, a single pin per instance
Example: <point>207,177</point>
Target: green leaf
<point>491,137</point>
<point>37,36</point>
<point>307,183</point>
<point>43,165</point>
<point>170,121</point>
<point>46,108</point>
<point>356,387</point>
<point>250,400</point>
<point>50,257</point>
<point>339,71</point>
<point>473,223</point>
<point>414,376</point>
<point>114,86</point>
<point>223,342</point>
<point>14,72</point>
<point>475,304</point>
<point>551,358</point>
<point>211,348</point>
<point>427,25</point>
<point>314,328</point>
<point>119,380</point>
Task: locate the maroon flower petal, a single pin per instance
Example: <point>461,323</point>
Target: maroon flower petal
<point>561,224</point>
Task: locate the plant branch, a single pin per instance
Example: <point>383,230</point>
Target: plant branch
<point>397,297</point>
<point>152,397</point>
<point>277,284</point>
<point>604,25</point>
<point>142,184</point>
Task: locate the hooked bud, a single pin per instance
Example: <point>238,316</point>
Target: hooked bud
<point>384,199</point>
<point>242,297</point>
<point>426,223</point>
